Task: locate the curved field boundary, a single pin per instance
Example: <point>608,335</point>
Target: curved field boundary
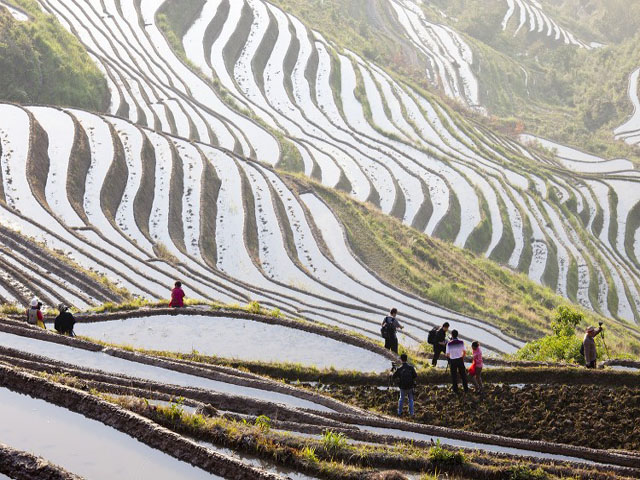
<point>131,424</point>
<point>190,368</point>
<point>25,466</point>
<point>315,328</point>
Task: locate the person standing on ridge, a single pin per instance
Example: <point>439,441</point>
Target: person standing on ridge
<point>589,346</point>
<point>390,326</point>
<point>475,370</point>
<point>65,321</point>
<point>177,296</point>
<point>438,338</point>
<point>406,376</point>
<point>455,352</point>
<point>34,314</point>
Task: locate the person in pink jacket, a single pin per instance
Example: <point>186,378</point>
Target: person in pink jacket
<point>475,370</point>
<point>177,296</point>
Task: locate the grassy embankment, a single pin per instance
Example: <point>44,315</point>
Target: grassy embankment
<point>42,63</point>
<point>453,277</point>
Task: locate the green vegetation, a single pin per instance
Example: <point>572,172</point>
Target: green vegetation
<point>42,63</point>
<point>443,457</point>
<point>562,346</point>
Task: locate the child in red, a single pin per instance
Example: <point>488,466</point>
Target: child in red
<point>177,296</point>
<point>475,370</point>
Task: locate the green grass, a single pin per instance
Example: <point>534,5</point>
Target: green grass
<point>42,63</point>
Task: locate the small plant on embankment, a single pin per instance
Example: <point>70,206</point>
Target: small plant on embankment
<point>524,472</point>
<point>442,457</point>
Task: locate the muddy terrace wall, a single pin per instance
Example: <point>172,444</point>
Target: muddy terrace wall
<point>24,466</point>
<point>134,425</point>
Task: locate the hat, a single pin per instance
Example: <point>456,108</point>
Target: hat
<point>62,307</point>
<point>591,329</point>
<point>34,302</point>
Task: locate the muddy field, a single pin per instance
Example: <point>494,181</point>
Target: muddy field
<point>585,415</point>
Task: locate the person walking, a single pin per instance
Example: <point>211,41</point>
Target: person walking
<point>439,342</point>
<point>475,370</point>
<point>390,326</point>
<point>589,346</point>
<point>455,352</point>
<point>177,296</point>
<point>406,376</point>
<point>65,321</point>
<point>34,314</point>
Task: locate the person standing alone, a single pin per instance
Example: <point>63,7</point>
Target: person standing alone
<point>177,296</point>
<point>455,352</point>
<point>406,376</point>
<point>390,326</point>
<point>589,346</point>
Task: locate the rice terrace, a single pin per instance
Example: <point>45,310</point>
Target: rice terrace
<point>320,239</point>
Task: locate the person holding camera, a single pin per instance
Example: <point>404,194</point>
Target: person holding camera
<point>406,377</point>
<point>589,346</point>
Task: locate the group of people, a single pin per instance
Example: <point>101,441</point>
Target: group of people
<point>455,351</point>
<point>64,322</point>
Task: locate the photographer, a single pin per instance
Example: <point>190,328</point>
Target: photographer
<point>406,376</point>
<point>589,346</point>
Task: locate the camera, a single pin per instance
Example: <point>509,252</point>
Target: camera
<point>600,324</point>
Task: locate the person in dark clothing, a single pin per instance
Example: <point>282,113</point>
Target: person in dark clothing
<point>456,352</point>
<point>65,321</point>
<point>441,343</point>
<point>406,377</point>
<point>390,326</point>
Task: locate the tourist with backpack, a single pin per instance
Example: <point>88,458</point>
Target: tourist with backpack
<point>475,370</point>
<point>438,338</point>
<point>34,314</point>
<point>406,376</point>
<point>456,352</point>
<point>390,326</point>
<point>177,296</point>
<point>588,348</point>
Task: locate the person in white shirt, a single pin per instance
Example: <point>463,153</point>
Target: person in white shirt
<point>456,352</point>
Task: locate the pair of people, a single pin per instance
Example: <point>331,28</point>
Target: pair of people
<point>63,324</point>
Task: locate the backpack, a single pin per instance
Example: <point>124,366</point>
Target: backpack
<point>32,316</point>
<point>387,329</point>
<point>406,380</point>
<point>431,339</point>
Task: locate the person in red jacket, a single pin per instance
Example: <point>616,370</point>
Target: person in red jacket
<point>177,296</point>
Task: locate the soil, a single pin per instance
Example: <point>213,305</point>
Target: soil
<point>585,415</point>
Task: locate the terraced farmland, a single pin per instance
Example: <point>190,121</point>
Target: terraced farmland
<point>351,125</point>
<point>530,16</point>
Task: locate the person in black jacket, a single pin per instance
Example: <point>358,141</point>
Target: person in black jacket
<point>390,326</point>
<point>441,343</point>
<point>65,321</point>
<point>406,377</point>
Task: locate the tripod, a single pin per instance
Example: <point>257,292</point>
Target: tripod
<point>606,349</point>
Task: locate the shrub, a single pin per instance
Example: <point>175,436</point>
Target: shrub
<point>562,346</point>
<point>333,442</point>
<point>263,423</point>
<point>524,472</point>
<point>254,307</point>
<point>309,454</point>
<point>444,457</point>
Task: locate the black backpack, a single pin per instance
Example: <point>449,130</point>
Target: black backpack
<point>431,339</point>
<point>387,329</point>
<point>406,378</point>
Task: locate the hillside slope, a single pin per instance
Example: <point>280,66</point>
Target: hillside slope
<point>43,63</point>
